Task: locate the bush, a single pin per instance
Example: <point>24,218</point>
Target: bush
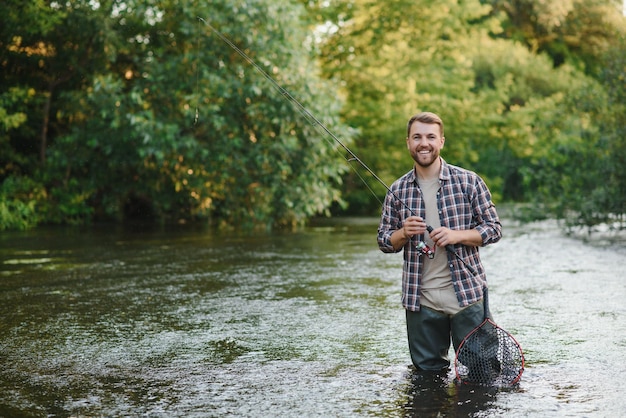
<point>20,201</point>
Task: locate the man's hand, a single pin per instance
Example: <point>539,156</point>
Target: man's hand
<point>444,236</point>
<point>413,225</point>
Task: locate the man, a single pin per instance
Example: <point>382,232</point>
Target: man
<point>442,295</point>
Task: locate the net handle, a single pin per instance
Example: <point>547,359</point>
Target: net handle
<point>487,312</point>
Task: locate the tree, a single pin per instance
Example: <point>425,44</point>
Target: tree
<point>41,54</point>
<point>569,31</point>
<point>144,112</point>
<point>582,182</point>
<point>499,100</point>
<point>579,176</point>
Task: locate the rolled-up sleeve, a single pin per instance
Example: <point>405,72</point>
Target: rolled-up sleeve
<point>389,222</point>
<point>485,215</point>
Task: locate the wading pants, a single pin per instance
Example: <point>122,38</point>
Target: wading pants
<point>429,332</point>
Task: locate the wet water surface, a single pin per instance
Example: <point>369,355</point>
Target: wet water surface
<point>181,322</point>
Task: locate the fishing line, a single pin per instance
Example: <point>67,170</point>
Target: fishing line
<point>303,110</point>
<point>317,123</point>
<point>195,119</point>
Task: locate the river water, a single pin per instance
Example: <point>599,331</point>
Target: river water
<point>135,321</point>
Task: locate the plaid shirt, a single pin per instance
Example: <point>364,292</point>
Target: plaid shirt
<point>464,202</point>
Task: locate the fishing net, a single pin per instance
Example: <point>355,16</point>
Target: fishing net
<point>489,356</point>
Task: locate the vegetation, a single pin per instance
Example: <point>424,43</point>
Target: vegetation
<point>135,109</point>
<point>115,110</point>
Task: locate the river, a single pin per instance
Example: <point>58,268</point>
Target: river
<point>167,322</point>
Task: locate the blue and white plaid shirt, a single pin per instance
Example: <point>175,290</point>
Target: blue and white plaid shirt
<point>464,202</point>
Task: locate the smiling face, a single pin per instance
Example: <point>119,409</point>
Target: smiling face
<point>424,142</point>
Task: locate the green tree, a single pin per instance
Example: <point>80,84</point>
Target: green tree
<point>578,177</point>
<point>501,102</point>
<point>569,31</point>
<point>140,110</point>
<point>41,54</point>
<point>582,182</point>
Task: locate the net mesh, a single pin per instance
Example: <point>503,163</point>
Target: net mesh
<point>489,356</point>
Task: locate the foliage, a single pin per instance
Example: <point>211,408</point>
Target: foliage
<point>121,85</point>
<point>583,182</point>
<point>576,32</point>
<point>137,109</point>
<point>502,103</point>
<point>390,65</point>
<point>20,199</point>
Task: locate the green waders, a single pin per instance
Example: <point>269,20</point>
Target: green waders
<point>429,333</point>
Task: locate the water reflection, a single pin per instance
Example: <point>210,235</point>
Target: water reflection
<point>437,394</point>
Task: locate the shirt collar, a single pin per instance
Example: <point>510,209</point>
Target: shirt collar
<point>444,172</point>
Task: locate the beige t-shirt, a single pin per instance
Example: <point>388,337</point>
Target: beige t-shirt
<point>436,291</point>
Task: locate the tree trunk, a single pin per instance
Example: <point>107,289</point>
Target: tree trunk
<point>44,128</point>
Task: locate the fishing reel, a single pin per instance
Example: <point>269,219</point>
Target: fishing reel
<point>425,249</point>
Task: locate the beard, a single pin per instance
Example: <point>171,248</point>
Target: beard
<point>425,160</point>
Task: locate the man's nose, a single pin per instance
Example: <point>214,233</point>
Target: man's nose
<point>422,142</point>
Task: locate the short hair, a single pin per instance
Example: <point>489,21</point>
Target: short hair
<point>425,117</point>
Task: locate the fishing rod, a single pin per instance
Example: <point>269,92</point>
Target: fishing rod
<point>488,355</point>
<point>302,109</point>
